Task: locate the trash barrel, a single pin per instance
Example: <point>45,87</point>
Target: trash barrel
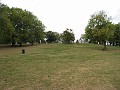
<point>23,51</point>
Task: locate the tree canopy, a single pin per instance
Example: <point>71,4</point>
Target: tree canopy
<point>68,36</point>
<point>52,37</point>
<point>18,26</point>
<point>21,26</point>
<point>99,28</point>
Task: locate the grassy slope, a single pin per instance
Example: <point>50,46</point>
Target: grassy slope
<point>59,66</point>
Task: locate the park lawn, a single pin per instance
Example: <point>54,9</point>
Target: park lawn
<point>60,67</point>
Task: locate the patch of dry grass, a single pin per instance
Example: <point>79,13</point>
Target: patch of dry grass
<point>60,67</point>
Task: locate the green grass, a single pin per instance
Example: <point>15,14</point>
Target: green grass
<point>60,67</point>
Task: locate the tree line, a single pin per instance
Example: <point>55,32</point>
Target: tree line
<point>101,30</point>
<point>66,37</point>
<point>21,26</point>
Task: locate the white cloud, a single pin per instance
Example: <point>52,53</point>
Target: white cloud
<point>116,17</point>
<point>58,15</point>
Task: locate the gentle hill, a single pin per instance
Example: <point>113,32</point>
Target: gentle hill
<point>60,67</point>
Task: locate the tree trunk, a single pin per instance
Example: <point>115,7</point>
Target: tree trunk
<point>13,44</point>
<point>20,44</point>
<point>119,44</point>
<point>116,43</point>
<point>113,44</point>
<point>104,46</point>
<point>32,43</point>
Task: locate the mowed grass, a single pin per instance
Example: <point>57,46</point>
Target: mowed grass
<point>60,67</point>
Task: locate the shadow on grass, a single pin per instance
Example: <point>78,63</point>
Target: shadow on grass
<point>100,48</point>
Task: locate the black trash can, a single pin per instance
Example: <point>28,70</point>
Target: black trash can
<point>23,51</point>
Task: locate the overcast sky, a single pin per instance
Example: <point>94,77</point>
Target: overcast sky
<point>57,15</point>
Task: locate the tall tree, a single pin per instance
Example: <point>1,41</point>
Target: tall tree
<point>117,35</point>
<point>18,18</point>
<point>36,29</point>
<point>52,37</point>
<point>98,29</point>
<point>28,27</point>
<point>39,31</point>
<point>21,26</point>
<point>68,36</point>
<point>6,27</point>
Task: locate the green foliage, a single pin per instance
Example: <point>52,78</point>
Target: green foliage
<point>83,38</point>
<point>52,37</point>
<point>68,36</point>
<point>6,26</point>
<point>116,37</point>
<point>21,26</point>
<point>99,28</point>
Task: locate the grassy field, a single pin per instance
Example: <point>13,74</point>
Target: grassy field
<point>60,67</point>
